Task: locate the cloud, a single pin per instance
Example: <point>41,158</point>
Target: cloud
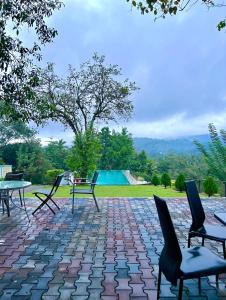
<point>178,63</point>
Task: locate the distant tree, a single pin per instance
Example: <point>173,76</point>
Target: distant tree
<point>193,166</point>
<point>155,180</point>
<point>17,72</point>
<point>84,154</point>
<point>165,180</point>
<point>210,186</point>
<point>87,96</point>
<point>56,152</point>
<point>31,159</point>
<point>179,183</point>
<point>150,169</point>
<point>117,150</point>
<point>215,155</point>
<point>162,8</point>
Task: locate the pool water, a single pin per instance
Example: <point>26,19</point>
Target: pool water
<point>112,177</point>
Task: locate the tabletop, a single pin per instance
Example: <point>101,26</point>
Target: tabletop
<point>14,184</point>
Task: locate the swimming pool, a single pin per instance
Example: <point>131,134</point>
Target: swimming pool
<point>112,177</point>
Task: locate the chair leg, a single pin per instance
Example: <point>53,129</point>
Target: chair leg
<point>94,197</point>
<point>159,283</point>
<point>224,250</point>
<point>203,241</point>
<point>73,202</point>
<point>180,289</point>
<point>189,241</point>
<point>199,284</point>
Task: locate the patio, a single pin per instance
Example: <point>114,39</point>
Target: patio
<point>108,255</point>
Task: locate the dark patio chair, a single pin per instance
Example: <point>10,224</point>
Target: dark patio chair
<point>47,195</point>
<point>198,227</point>
<point>182,264</point>
<point>87,191</point>
<point>15,176</point>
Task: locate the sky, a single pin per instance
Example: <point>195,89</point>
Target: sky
<point>179,63</point>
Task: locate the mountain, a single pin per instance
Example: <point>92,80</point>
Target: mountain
<point>155,147</point>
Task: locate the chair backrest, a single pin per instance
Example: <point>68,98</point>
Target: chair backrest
<point>94,179</point>
<point>14,176</point>
<point>171,257</point>
<point>197,211</point>
<point>56,184</point>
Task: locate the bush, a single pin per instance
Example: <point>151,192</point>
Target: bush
<point>166,180</point>
<point>210,186</point>
<point>52,174</point>
<point>155,180</point>
<point>179,183</point>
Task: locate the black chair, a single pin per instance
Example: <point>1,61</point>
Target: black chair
<point>48,194</point>
<point>189,263</point>
<point>198,227</point>
<point>15,176</point>
<point>87,191</point>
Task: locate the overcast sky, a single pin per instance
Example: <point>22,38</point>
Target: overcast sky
<point>179,63</point>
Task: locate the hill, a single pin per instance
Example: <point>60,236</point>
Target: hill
<point>156,147</point>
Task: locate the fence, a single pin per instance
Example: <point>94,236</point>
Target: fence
<point>221,186</point>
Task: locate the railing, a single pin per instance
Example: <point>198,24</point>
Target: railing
<point>221,186</point>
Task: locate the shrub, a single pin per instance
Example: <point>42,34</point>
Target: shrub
<point>166,180</point>
<point>52,174</point>
<point>155,180</point>
<point>179,183</point>
<point>210,186</point>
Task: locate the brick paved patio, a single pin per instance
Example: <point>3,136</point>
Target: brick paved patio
<point>108,255</point>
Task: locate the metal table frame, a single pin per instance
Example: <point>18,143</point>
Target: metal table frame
<point>6,187</point>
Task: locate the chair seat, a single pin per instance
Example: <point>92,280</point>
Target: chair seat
<point>214,232</point>
<point>43,192</point>
<point>81,191</point>
<point>200,261</point>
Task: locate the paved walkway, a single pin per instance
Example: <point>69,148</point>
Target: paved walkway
<point>108,255</point>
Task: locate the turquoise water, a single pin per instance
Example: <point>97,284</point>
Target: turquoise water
<point>112,177</point>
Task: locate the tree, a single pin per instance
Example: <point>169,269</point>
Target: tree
<point>162,8</point>
<point>166,180</point>
<point>87,96</point>
<point>210,186</point>
<point>155,180</point>
<point>179,183</point>
<point>84,154</point>
<point>12,131</point>
<point>117,150</point>
<point>56,152</point>
<point>215,154</point>
<point>31,159</point>
<point>18,75</point>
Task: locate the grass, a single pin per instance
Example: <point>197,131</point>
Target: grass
<point>121,191</point>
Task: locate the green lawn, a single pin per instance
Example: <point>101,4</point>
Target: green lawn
<point>122,191</point>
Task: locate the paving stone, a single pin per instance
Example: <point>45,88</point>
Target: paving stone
<point>109,255</point>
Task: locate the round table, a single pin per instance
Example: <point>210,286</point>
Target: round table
<point>12,185</point>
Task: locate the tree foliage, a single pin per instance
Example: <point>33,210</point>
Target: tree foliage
<point>31,160</point>
<point>12,131</point>
<point>56,152</point>
<point>215,155</point>
<point>86,96</point>
<point>165,180</point>
<point>210,186</point>
<point>84,154</point>
<point>155,180</point>
<point>179,183</point>
<point>117,150</point>
<point>17,73</point>
<point>160,8</point>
